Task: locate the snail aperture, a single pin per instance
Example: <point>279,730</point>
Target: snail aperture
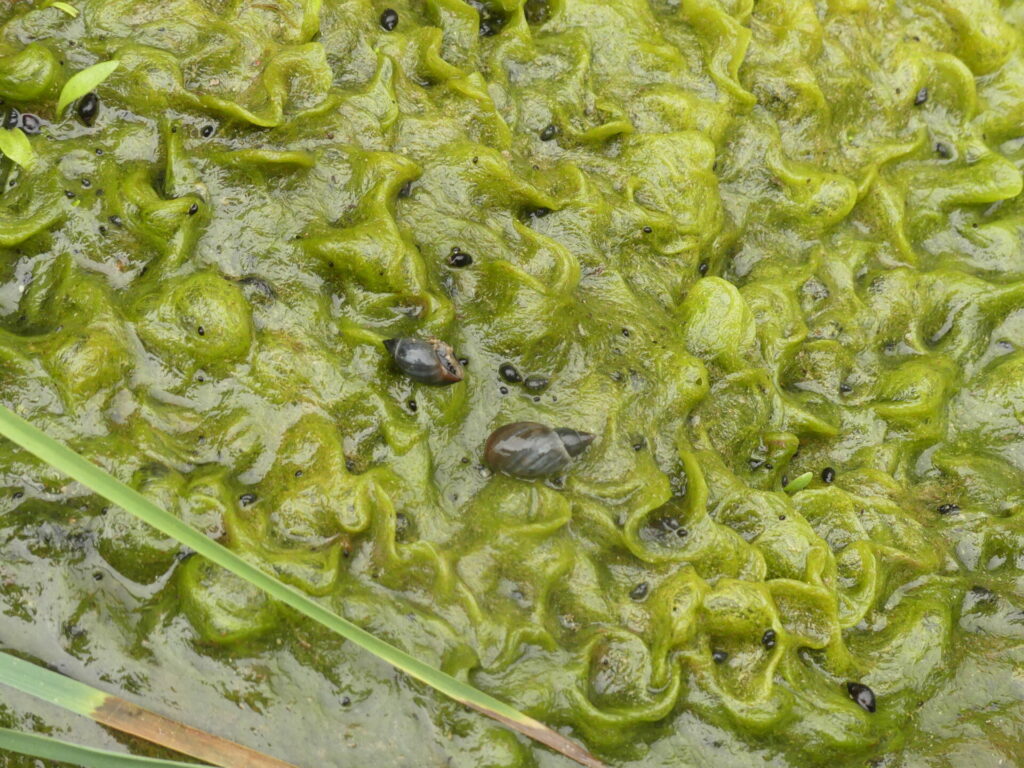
<point>528,449</point>
<point>429,361</point>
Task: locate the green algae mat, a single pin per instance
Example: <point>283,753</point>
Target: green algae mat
<point>653,366</point>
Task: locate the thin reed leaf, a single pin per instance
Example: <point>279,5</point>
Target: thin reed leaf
<point>127,717</point>
<point>98,480</point>
<point>34,745</point>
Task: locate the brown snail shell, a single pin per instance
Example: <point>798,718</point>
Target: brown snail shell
<point>429,361</point>
<point>528,449</point>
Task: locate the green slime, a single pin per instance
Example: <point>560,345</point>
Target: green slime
<point>760,240</point>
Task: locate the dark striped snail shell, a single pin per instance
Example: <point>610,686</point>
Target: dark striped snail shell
<point>528,449</point>
<point>429,361</point>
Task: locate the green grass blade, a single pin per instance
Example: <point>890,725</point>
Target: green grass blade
<point>49,686</point>
<point>69,9</point>
<point>88,474</point>
<point>15,144</point>
<point>127,717</point>
<point>799,483</point>
<point>83,82</point>
<point>34,745</point>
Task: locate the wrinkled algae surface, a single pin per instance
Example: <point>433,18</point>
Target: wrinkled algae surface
<point>738,241</point>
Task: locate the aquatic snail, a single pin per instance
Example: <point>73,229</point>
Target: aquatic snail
<point>862,695</point>
<point>529,449</point>
<point>429,361</point>
<point>389,20</point>
<point>88,108</point>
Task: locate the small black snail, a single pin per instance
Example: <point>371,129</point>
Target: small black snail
<point>528,449</point>
<point>429,361</point>
<point>863,695</point>
<point>88,108</point>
